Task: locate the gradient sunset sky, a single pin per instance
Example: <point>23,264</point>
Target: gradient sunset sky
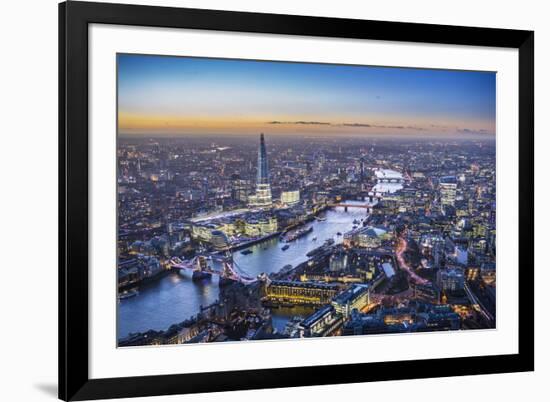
<point>182,95</point>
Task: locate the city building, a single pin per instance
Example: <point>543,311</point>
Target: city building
<point>355,297</point>
<point>260,226</point>
<point>320,323</point>
<point>262,198</point>
<point>447,190</point>
<point>366,237</point>
<point>450,279</point>
<point>290,197</point>
<point>388,269</point>
<point>338,261</point>
<point>240,188</point>
<point>181,199</point>
<point>299,293</point>
<point>128,272</point>
<point>219,240</point>
<point>439,321</point>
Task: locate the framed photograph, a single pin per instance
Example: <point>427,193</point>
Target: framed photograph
<point>258,200</point>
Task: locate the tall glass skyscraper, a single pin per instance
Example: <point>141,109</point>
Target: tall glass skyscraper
<point>263,173</point>
<point>262,198</point>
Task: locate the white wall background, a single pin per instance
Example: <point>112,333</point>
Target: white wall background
<point>28,197</point>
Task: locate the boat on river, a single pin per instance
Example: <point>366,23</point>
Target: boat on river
<point>291,236</point>
<point>285,247</point>
<point>246,252</point>
<point>128,294</point>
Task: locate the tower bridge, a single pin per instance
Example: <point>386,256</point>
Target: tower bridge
<point>198,266</point>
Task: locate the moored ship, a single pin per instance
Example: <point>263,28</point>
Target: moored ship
<point>128,294</point>
<point>297,234</point>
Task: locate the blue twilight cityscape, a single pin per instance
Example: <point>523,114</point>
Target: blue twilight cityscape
<point>228,235</point>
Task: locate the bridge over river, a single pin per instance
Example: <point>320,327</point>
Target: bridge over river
<point>176,297</point>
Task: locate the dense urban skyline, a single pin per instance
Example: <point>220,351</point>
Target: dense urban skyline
<point>162,95</point>
<point>265,200</point>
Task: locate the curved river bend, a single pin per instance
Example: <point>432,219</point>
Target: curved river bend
<point>175,298</point>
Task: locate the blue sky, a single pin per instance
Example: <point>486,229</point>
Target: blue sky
<point>194,95</point>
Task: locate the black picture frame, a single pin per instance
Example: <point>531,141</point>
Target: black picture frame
<point>74,18</point>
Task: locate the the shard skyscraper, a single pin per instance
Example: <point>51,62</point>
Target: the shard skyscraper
<point>262,198</point>
<point>263,173</point>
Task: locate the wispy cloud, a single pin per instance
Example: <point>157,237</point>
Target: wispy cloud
<point>313,123</point>
<point>471,131</point>
<point>460,130</point>
<point>356,125</point>
<point>349,124</point>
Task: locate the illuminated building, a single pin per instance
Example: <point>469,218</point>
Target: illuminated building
<point>320,323</point>
<point>355,297</point>
<point>338,261</point>
<point>368,237</point>
<point>447,190</point>
<point>397,316</point>
<point>187,333</point>
<point>305,293</point>
<point>450,279</point>
<point>430,241</point>
<point>488,273</point>
<point>261,226</point>
<point>262,198</point>
<point>239,188</point>
<point>218,240</point>
<point>290,197</point>
<point>203,231</point>
<point>472,273</point>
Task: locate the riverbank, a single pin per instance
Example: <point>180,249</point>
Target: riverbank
<point>173,298</point>
<point>145,281</point>
<point>251,242</point>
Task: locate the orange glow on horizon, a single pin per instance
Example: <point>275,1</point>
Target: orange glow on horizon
<point>143,123</point>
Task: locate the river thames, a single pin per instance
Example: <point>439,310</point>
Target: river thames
<point>175,298</point>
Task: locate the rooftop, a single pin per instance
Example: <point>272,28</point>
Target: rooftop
<point>351,294</point>
<point>448,180</point>
<point>311,285</point>
<point>388,174</point>
<point>311,319</point>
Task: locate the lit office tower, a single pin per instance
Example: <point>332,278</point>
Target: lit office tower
<point>447,190</point>
<point>262,198</point>
<point>239,188</point>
